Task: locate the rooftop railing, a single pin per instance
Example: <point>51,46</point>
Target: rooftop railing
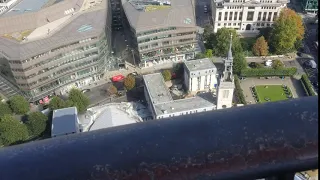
<point>250,142</point>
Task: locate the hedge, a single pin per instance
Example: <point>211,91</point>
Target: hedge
<point>238,91</point>
<point>262,72</point>
<point>307,85</point>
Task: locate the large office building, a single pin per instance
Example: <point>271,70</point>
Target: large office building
<point>246,16</point>
<point>310,6</point>
<point>55,45</point>
<point>161,30</point>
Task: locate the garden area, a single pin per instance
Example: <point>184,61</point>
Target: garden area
<point>271,93</point>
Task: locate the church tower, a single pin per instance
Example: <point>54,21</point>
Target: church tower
<point>226,84</point>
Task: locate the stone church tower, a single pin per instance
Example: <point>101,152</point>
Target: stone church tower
<point>226,84</point>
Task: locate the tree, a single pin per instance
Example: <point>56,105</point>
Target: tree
<point>178,69</point>
<point>255,65</point>
<point>12,131</point>
<point>129,82</point>
<point>79,100</point>
<point>112,89</point>
<point>36,123</point>
<point>260,48</point>
<point>56,103</point>
<point>200,56</point>
<point>265,32</point>
<point>239,63</point>
<point>287,29</point>
<point>207,31</point>
<point>277,64</point>
<point>209,53</point>
<point>19,104</point>
<point>166,75</point>
<point>4,109</point>
<point>222,42</point>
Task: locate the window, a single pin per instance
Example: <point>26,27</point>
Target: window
<point>230,16</point>
<point>235,16</point>
<point>275,16</point>
<point>226,16</point>
<point>224,24</point>
<point>234,24</point>
<point>250,16</point>
<point>269,16</point>
<point>218,24</point>
<point>264,16</point>
<point>219,17</point>
<point>259,16</point>
<point>240,16</point>
<point>258,24</point>
<point>229,24</point>
<point>250,7</point>
<point>225,93</point>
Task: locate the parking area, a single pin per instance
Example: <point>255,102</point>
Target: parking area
<point>311,72</point>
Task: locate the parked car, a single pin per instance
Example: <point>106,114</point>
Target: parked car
<point>311,64</point>
<point>117,78</point>
<point>85,90</point>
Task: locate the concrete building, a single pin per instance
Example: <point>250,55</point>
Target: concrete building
<point>246,16</point>
<point>65,121</point>
<point>162,105</point>
<point>310,6</point>
<point>161,31</point>
<point>226,84</point>
<point>55,45</point>
<point>200,75</point>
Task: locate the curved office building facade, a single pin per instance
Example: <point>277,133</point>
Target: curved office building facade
<point>71,50</point>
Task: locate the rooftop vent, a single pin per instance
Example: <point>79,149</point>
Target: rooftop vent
<point>164,111</point>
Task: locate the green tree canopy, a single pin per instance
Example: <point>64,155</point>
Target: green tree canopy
<point>78,99</point>
<point>277,64</point>
<point>207,31</point>
<point>56,103</point>
<point>209,53</point>
<point>222,42</point>
<point>260,48</point>
<point>287,29</point>
<point>36,123</point>
<point>166,75</point>
<point>4,109</point>
<point>129,82</point>
<point>12,131</point>
<point>239,63</point>
<point>19,104</point>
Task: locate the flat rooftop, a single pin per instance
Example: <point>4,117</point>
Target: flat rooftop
<point>199,64</point>
<point>157,90</point>
<point>64,121</point>
<point>150,5</point>
<point>26,6</point>
<point>183,105</point>
<point>151,14</point>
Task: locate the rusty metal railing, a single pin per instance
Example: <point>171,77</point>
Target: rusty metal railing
<point>250,142</point>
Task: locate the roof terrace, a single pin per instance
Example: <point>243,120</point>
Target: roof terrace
<point>150,5</point>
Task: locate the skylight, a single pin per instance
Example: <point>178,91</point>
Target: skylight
<point>85,28</point>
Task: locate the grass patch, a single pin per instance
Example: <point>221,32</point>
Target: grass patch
<point>18,35</point>
<point>271,92</point>
<point>150,8</point>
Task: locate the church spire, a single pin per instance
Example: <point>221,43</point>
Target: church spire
<point>229,55</point>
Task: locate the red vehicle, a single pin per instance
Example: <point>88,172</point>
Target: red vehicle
<point>117,78</point>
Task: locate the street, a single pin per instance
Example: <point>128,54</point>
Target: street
<point>202,17</point>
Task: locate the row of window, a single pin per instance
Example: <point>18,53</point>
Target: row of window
<point>64,70</point>
<point>52,50</point>
<point>238,24</point>
<point>155,31</point>
<point>165,43</point>
<point>268,7</point>
<point>165,36</point>
<point>238,16</point>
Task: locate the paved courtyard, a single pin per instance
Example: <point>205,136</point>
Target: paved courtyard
<point>294,85</point>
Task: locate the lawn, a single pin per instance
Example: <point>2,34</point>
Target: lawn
<point>271,92</point>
